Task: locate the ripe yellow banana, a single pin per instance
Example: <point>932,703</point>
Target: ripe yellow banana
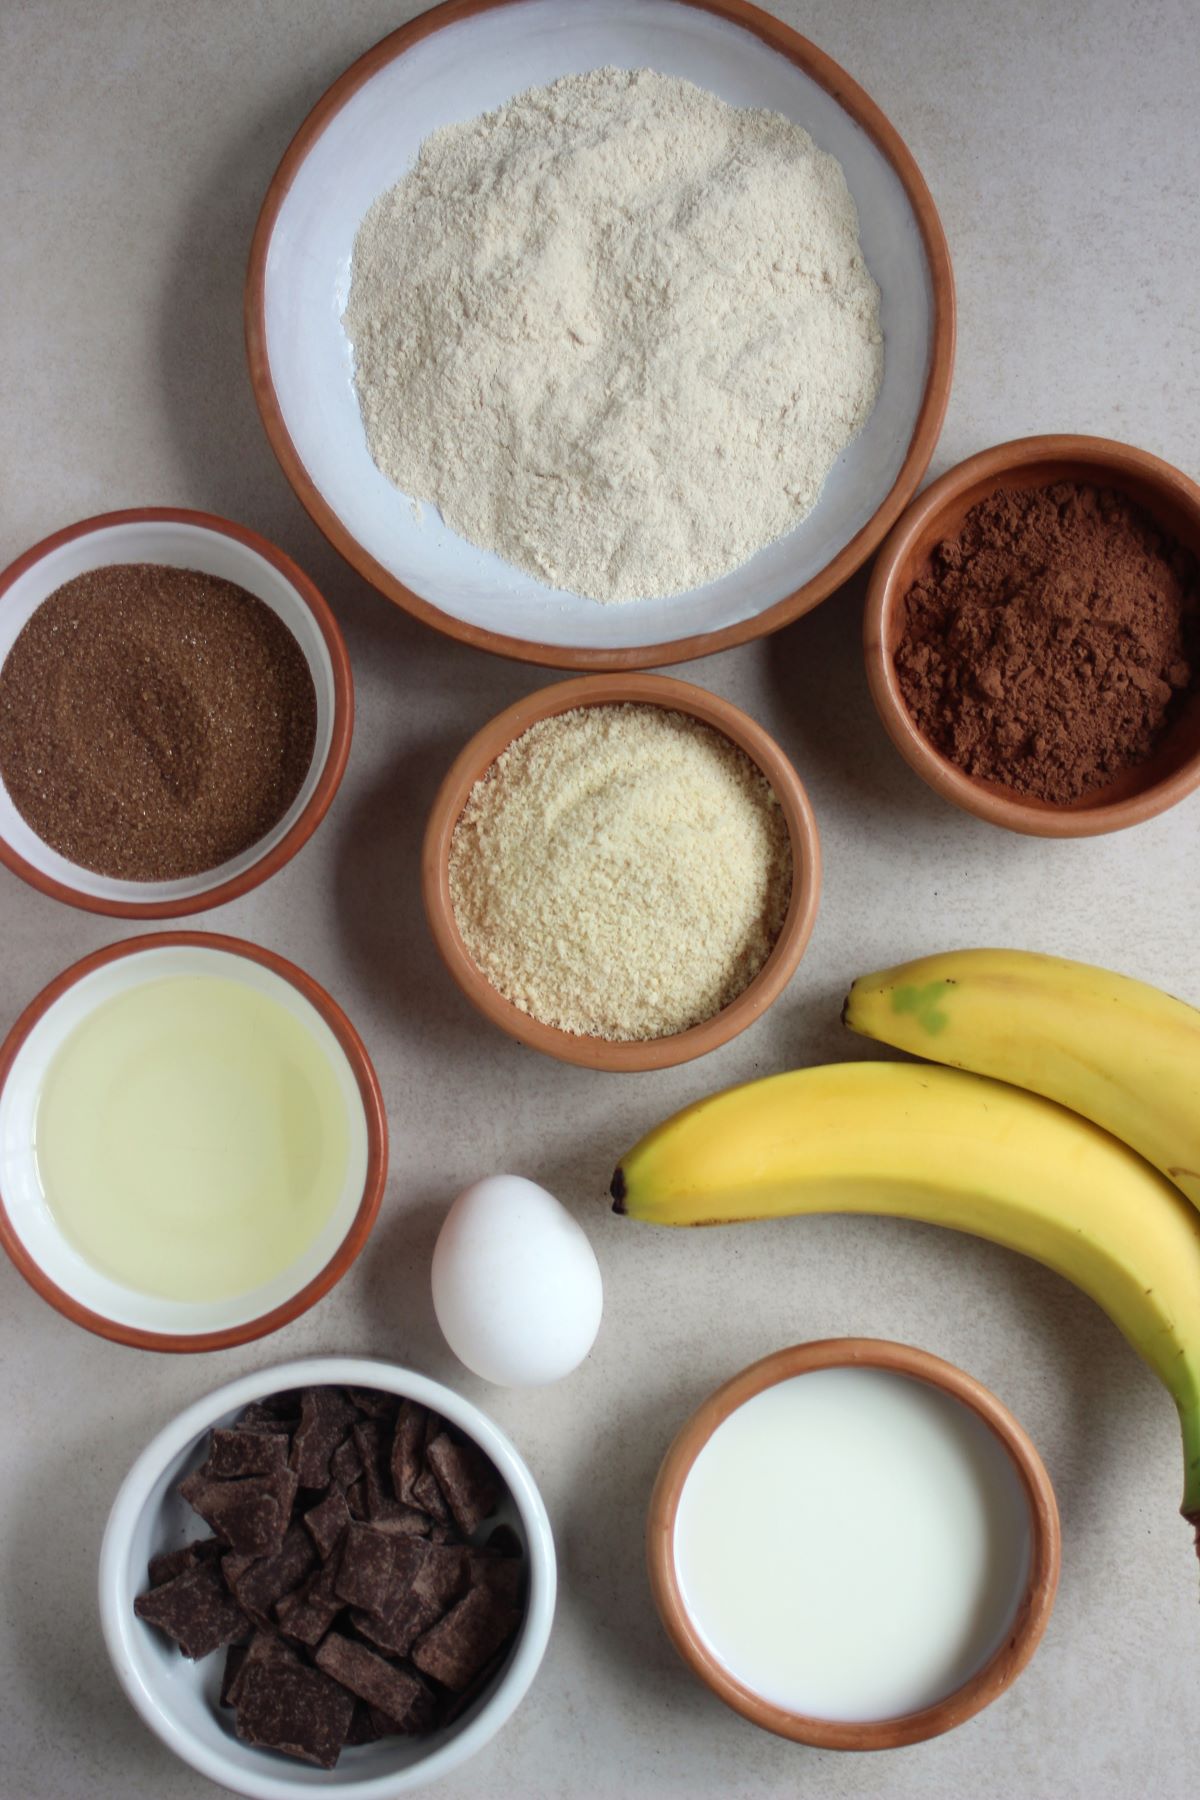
<point>1124,1054</point>
<point>950,1149</point>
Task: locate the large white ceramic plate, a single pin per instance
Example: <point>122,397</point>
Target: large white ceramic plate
<point>455,63</point>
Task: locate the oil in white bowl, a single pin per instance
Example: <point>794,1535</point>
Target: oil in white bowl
<point>192,1137</point>
<point>852,1544</point>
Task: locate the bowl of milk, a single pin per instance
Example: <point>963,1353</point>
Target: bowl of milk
<point>854,1544</point>
<point>193,1145</point>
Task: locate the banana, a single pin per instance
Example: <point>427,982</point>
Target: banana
<point>1122,1053</point>
<point>950,1149</point>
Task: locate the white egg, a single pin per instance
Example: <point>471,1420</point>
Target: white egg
<point>516,1285</point>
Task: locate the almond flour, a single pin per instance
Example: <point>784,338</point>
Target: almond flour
<point>617,331</point>
<point>621,872</point>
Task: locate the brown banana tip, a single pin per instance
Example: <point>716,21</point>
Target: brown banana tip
<point>617,1190</point>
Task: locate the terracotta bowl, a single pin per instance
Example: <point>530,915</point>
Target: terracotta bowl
<point>464,58</point>
<point>28,1230</point>
<point>185,540</point>
<point>1034,1605</point>
<point>1137,794</point>
<point>614,690</point>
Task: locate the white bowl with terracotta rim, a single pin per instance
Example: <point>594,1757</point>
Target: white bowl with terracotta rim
<point>1033,1606</point>
<point>182,539</point>
<point>474,761</point>
<point>52,1265</point>
<point>467,57</point>
<point>1172,771</point>
<point>179,1700</point>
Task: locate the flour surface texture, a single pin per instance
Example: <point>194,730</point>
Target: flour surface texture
<point>616,331</point>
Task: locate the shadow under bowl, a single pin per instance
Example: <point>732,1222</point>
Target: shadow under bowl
<point>1138,793</point>
<point>618,690</point>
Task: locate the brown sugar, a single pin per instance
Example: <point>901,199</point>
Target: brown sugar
<point>1049,645</point>
<point>154,722</point>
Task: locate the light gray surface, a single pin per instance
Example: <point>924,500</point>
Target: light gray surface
<point>137,141</point>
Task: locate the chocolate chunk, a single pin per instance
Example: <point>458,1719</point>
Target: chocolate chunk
<point>308,1612</point>
<point>264,1647</point>
<point>455,1649</point>
<point>169,1563</point>
<point>195,1609</point>
<point>364,1575</point>
<point>235,1656</point>
<point>267,1579</point>
<point>426,1494</point>
<point>443,1575</point>
<point>396,1631</point>
<point>455,1705</point>
<point>407,1444</point>
<point>246,1515</point>
<point>372,1402</point>
<point>504,1541</point>
<point>369,1436</point>
<point>356,1499</point>
<point>363,1726</point>
<point>278,1413</point>
<point>324,1416</point>
<point>345,1465</point>
<point>501,1575</point>
<point>327,1522</point>
<point>369,1676</point>
<point>235,1453</point>
<point>400,1520</point>
<point>466,1478</point>
<point>296,1710</point>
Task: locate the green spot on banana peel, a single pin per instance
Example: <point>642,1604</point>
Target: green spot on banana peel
<point>922,1002</point>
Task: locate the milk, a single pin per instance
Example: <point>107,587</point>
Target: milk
<point>852,1544</point>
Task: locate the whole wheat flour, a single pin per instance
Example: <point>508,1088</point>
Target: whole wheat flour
<point>616,331</point>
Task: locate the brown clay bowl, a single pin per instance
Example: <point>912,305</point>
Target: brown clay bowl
<point>215,546</point>
<point>30,1235</point>
<point>452,63</point>
<point>614,690</point>
<point>1035,1606</point>
<point>1138,793</point>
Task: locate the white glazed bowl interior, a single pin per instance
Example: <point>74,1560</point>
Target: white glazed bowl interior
<point>179,546</point>
<point>31,1218</point>
<point>454,74</point>
<point>178,1698</point>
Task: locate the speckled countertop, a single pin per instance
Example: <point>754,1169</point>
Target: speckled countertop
<point>1060,141</point>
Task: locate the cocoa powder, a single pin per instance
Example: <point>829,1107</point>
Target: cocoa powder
<point>1048,647</point>
<point>154,722</point>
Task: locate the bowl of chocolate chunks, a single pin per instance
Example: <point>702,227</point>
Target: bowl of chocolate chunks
<point>333,1574</point>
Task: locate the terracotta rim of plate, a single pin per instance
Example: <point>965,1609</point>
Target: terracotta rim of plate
<point>1140,793</point>
<point>373,1112</point>
<point>476,759</point>
<point>298,834</point>
<point>862,109</point>
<point>1033,1613</point>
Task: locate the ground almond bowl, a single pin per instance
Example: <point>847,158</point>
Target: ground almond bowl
<point>465,58</point>
<point>1139,793</point>
<point>616,690</point>
<point>51,1263</point>
<point>177,1699</point>
<point>214,546</point>
<point>1033,1605</point>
